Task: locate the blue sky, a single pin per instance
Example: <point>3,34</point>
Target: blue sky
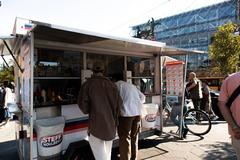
<point>106,16</point>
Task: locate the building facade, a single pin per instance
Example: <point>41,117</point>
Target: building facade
<point>193,29</point>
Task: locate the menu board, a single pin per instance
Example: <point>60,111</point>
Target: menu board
<point>174,78</point>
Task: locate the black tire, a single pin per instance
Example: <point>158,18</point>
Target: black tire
<point>197,126</point>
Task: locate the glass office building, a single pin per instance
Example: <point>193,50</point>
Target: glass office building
<point>193,29</point>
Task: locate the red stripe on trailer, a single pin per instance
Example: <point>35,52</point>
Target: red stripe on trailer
<point>69,129</point>
<point>73,127</point>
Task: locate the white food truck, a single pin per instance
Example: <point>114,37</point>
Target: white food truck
<point>51,63</point>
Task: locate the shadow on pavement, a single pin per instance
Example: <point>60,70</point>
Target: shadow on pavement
<point>9,151</point>
<point>187,140</point>
<point>148,143</point>
<point>219,150</point>
<point>152,147</point>
<point>173,137</point>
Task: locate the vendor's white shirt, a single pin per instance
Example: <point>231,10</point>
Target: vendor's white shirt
<point>9,96</point>
<point>132,99</point>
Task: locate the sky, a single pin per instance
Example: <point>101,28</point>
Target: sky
<point>112,17</point>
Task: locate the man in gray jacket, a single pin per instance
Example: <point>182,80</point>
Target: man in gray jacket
<point>100,99</point>
<point>194,86</point>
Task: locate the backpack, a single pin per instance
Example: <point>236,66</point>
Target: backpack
<point>234,95</point>
<point>2,96</point>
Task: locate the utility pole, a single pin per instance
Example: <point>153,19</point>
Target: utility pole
<point>237,16</point>
<point>238,12</point>
<point>148,30</point>
<point>238,27</point>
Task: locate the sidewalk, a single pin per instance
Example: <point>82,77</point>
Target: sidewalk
<point>8,144</point>
<point>216,145</point>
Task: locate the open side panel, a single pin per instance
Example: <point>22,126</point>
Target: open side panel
<point>25,97</point>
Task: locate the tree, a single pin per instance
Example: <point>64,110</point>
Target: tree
<point>225,49</point>
<point>7,73</point>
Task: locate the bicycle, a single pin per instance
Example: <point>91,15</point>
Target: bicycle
<point>195,121</point>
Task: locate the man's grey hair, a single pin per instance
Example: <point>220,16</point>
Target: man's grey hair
<point>194,74</point>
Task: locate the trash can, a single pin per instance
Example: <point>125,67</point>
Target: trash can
<point>149,115</point>
<point>49,136</point>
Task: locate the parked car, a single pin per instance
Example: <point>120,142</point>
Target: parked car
<point>214,97</point>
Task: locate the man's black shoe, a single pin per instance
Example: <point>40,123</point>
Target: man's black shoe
<point>185,131</point>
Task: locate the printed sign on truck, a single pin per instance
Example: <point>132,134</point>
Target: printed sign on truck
<point>51,141</point>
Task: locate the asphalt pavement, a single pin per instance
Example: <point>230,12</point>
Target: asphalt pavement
<point>8,144</point>
<point>216,145</point>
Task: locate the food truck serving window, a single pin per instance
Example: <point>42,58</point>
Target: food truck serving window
<point>113,63</point>
<point>56,76</point>
<point>52,63</point>
<point>140,71</point>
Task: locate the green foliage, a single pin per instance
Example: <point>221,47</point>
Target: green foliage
<point>7,73</point>
<point>225,49</point>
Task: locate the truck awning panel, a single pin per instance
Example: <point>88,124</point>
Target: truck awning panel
<point>96,41</point>
<point>9,41</point>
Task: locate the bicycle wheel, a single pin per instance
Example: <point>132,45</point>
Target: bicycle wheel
<point>197,122</point>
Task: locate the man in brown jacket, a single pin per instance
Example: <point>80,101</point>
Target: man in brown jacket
<point>100,99</point>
